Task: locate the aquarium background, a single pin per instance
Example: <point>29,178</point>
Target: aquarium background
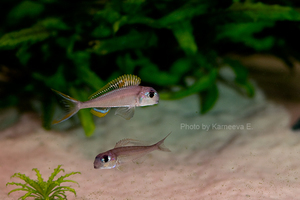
<point>218,67</point>
<point>178,47</point>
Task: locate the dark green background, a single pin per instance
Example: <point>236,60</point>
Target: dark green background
<point>76,48</point>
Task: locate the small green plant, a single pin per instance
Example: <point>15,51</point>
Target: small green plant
<point>42,190</point>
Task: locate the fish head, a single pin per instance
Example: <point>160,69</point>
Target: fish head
<point>106,160</point>
<point>148,96</point>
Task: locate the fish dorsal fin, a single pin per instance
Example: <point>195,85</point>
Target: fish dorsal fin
<point>121,81</point>
<point>128,141</point>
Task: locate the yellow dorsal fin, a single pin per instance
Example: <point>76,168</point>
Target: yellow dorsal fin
<point>122,81</point>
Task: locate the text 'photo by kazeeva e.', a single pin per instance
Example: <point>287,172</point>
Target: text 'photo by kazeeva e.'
<point>215,126</point>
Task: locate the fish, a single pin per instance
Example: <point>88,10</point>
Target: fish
<point>121,154</point>
<point>123,93</point>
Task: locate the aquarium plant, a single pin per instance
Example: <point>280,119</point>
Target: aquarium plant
<point>177,47</point>
<point>44,190</point>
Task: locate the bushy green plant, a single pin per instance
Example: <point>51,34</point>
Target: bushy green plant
<point>44,190</point>
<point>84,44</point>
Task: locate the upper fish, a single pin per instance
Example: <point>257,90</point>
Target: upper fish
<point>121,154</point>
<point>123,92</point>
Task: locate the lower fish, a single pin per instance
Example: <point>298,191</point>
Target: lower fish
<point>121,154</point>
<point>123,92</point>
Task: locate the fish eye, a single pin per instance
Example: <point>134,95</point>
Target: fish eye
<point>105,159</point>
<point>151,94</point>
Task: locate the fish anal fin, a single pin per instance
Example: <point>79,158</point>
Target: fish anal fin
<point>128,141</point>
<point>140,159</point>
<point>100,112</point>
<point>125,112</point>
<point>122,81</point>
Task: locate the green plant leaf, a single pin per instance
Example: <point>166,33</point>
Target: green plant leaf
<point>181,66</point>
<point>241,77</point>
<point>28,35</point>
<point>25,178</point>
<point>59,191</point>
<point>24,9</point>
<point>109,14</point>
<point>54,173</point>
<point>57,80</point>
<point>44,189</point>
<point>39,176</point>
<point>132,6</point>
<point>48,108</point>
<point>201,84</point>
<point>101,31</point>
<point>183,32</point>
<point>152,74</point>
<point>52,23</point>
<point>208,98</point>
<point>126,63</point>
<point>23,54</point>
<point>248,88</point>
<point>259,11</point>
<point>133,40</point>
<point>185,13</point>
<point>244,32</point>
<point>81,60</point>
<point>19,189</point>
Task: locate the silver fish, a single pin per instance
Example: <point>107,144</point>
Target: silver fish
<point>123,92</point>
<point>121,154</point>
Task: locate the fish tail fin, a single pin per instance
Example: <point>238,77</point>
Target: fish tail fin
<point>161,146</point>
<point>71,106</point>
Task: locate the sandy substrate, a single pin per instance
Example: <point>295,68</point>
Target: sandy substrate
<point>260,160</point>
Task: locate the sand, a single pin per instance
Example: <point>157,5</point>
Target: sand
<point>248,152</point>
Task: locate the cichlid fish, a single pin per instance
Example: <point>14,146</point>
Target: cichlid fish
<point>123,92</point>
<point>121,154</point>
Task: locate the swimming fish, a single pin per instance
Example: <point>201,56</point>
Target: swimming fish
<point>123,92</point>
<point>121,154</point>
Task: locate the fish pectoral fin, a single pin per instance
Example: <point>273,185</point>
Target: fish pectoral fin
<point>100,112</point>
<point>125,112</point>
<point>123,159</point>
<point>128,141</point>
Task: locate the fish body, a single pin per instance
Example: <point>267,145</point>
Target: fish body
<point>123,92</point>
<point>121,154</point>
<point>130,96</point>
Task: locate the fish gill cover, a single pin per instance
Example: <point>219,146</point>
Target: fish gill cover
<point>77,47</point>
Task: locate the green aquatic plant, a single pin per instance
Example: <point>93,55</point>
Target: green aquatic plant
<point>44,190</point>
<point>163,42</point>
